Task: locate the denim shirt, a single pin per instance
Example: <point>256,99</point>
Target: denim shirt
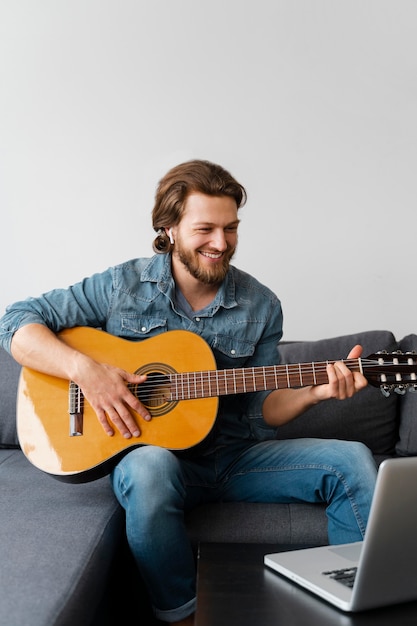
<point>136,300</point>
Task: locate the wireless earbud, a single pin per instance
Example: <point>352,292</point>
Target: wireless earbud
<point>169,233</point>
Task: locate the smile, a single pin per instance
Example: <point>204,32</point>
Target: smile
<point>211,255</point>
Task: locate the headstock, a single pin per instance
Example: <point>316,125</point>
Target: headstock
<point>391,371</point>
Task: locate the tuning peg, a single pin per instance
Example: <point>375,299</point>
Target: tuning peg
<point>413,388</point>
<point>400,389</point>
<point>386,390</point>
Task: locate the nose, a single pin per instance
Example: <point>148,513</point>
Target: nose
<point>218,240</point>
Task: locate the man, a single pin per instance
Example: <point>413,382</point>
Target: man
<point>190,284</point>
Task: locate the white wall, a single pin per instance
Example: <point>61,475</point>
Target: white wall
<point>310,103</point>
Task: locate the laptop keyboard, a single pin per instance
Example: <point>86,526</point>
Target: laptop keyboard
<point>345,576</point>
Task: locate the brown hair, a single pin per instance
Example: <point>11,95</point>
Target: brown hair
<point>173,189</point>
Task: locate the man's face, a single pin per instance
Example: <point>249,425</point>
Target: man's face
<point>206,237</point>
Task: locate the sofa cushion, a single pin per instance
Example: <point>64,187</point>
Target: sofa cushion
<point>369,416</point>
<point>58,540</point>
<point>9,379</point>
<point>407,442</point>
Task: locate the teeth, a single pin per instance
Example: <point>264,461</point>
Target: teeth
<point>211,256</point>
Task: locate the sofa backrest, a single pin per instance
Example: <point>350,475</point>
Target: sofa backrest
<point>369,416</point>
<point>9,378</point>
<point>407,435</point>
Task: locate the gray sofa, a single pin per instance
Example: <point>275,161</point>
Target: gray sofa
<point>63,553</point>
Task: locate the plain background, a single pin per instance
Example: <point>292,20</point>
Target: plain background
<point>311,104</point>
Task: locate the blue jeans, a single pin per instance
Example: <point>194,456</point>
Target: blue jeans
<point>155,487</point>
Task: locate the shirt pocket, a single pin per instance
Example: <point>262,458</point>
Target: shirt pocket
<point>231,351</point>
<point>140,327</point>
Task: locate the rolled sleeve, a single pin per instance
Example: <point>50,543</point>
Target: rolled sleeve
<point>84,304</point>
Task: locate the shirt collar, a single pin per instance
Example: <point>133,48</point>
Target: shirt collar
<point>158,270</point>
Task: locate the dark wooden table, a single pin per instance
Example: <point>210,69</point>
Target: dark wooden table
<point>234,588</point>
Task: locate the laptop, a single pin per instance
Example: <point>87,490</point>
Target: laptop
<point>380,570</point>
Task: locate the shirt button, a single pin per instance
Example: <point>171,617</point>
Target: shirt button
<point>197,319</point>
<point>232,351</point>
<point>143,329</point>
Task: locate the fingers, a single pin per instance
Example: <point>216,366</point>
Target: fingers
<point>343,381</point>
<point>114,402</point>
<point>121,418</point>
<point>355,353</point>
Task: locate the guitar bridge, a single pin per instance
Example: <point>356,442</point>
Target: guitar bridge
<point>75,410</point>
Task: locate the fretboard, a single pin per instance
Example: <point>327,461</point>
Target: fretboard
<point>206,384</point>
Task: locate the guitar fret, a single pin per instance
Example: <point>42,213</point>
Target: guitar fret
<point>211,383</point>
<point>292,377</point>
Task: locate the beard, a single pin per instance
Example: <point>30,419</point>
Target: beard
<point>206,275</point>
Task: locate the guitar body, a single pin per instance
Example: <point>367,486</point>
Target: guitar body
<point>44,424</point>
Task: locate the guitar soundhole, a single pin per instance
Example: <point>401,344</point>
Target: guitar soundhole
<point>155,392</point>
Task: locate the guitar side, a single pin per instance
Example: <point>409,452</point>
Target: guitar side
<point>43,420</point>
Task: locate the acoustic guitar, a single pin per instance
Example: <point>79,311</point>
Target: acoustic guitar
<point>60,434</point>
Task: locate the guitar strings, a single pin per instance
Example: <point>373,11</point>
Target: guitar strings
<point>183,385</point>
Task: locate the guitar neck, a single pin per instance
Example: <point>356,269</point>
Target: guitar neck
<point>207,384</point>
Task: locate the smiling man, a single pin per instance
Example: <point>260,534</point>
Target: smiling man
<point>189,284</point>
